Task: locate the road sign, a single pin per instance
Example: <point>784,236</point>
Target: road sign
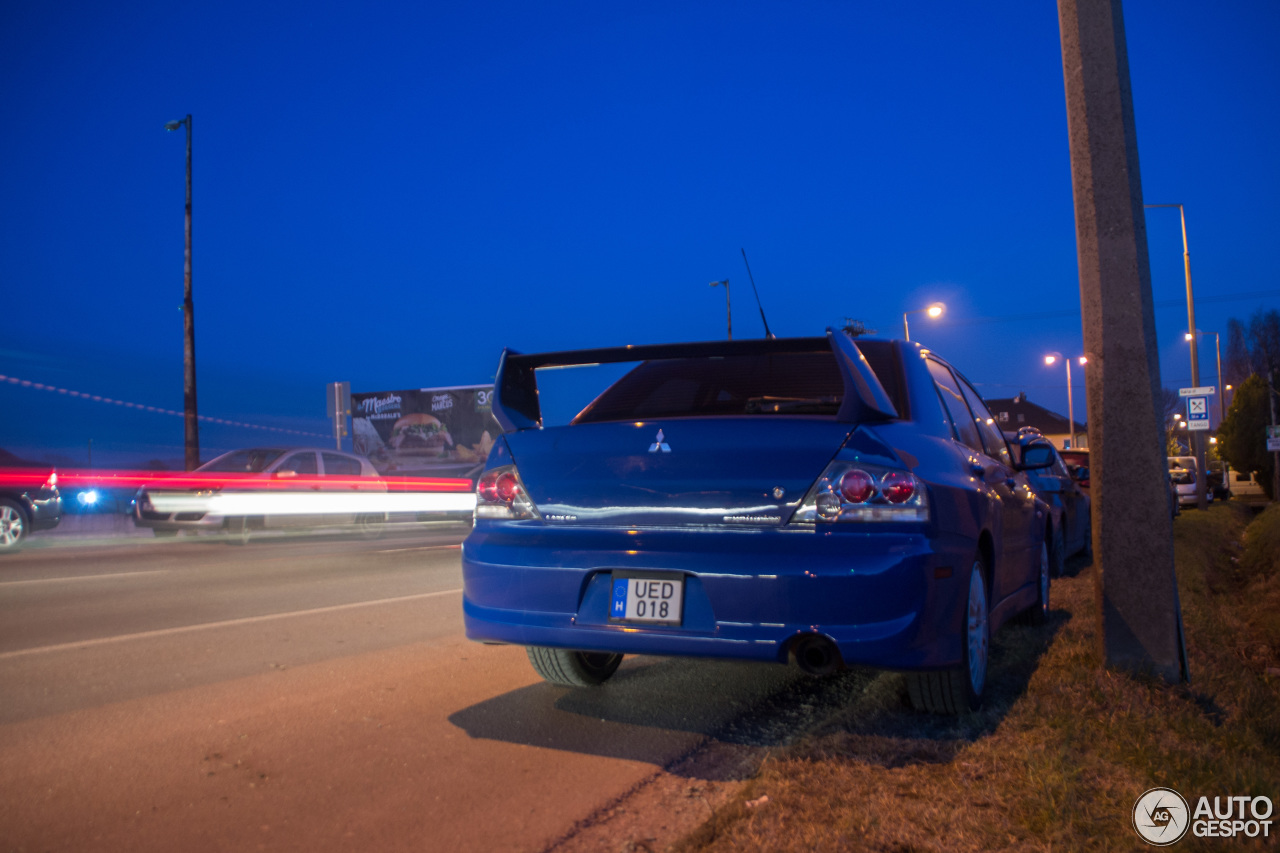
<point>1273,439</point>
<point>1199,391</point>
<point>1197,425</point>
<point>1197,409</point>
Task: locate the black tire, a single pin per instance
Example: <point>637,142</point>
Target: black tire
<point>13,525</point>
<point>1038,613</point>
<point>1057,552</point>
<point>237,530</point>
<point>570,668</point>
<point>959,690</point>
<point>371,526</point>
<point>163,534</point>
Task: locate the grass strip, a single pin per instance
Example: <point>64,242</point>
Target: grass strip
<point>1063,747</point>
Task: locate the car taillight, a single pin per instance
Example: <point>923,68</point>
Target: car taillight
<point>862,492</point>
<point>898,487</point>
<point>857,486</point>
<point>52,482</point>
<point>500,494</point>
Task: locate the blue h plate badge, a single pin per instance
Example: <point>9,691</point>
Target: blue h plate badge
<point>619,608</point>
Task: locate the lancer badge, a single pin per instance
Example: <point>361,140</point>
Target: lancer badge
<point>659,444</point>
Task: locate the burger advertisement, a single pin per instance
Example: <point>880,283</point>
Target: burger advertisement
<point>433,432</point>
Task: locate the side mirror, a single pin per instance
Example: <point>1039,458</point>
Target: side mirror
<point>1037,454</point>
<point>1081,474</point>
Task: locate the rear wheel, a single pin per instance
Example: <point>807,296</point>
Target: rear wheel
<point>13,524</point>
<point>959,690</point>
<point>238,530</point>
<point>1058,552</point>
<point>371,526</point>
<point>1038,613</point>
<point>572,668</point>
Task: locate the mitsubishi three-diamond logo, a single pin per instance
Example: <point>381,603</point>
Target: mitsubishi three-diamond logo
<point>659,443</point>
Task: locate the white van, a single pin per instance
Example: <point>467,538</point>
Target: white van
<point>1244,484</point>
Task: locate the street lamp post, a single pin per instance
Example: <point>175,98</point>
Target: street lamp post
<point>1071,411</point>
<point>191,424</point>
<point>1217,348</point>
<point>728,313</point>
<point>934,311</point>
<point>1202,500</point>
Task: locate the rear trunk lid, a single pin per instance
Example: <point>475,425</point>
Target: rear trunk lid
<point>751,470</point>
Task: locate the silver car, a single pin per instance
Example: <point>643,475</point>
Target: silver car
<point>259,469</point>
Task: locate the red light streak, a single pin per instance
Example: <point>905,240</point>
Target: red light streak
<point>69,479</point>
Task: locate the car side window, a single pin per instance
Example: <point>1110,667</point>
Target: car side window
<point>992,439</point>
<point>341,466</point>
<point>961,419</point>
<point>303,463</point>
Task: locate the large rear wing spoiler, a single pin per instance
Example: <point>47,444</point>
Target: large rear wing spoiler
<point>515,392</point>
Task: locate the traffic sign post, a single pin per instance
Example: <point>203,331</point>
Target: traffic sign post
<point>1199,391</point>
<point>1273,439</point>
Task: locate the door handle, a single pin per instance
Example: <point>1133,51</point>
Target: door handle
<point>976,469</point>
<point>1010,482</point>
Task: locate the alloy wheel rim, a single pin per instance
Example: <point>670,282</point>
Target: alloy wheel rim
<point>977,631</point>
<point>10,526</point>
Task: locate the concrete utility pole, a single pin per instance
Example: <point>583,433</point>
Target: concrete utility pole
<point>1132,528</point>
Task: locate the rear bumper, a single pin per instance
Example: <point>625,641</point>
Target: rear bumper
<point>748,593</point>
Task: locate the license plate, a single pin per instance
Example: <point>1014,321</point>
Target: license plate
<point>653,598</point>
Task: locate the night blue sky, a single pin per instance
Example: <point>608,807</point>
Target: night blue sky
<point>389,194</point>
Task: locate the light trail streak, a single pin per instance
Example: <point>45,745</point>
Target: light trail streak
<point>238,503</point>
<point>76,478</point>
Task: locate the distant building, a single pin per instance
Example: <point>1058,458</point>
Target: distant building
<point>1013,413</point>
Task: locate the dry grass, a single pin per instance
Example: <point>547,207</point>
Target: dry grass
<point>1063,748</point>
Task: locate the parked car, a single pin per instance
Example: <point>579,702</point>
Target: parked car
<point>1185,481</point>
<point>1182,470</point>
<point>1215,477</point>
<point>1077,462</point>
<point>1071,531</point>
<point>247,470</point>
<point>822,500</point>
<point>29,500</point>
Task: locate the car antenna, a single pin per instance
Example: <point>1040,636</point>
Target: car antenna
<point>767,333</point>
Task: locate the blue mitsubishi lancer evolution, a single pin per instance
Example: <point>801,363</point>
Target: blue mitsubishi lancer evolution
<point>828,500</point>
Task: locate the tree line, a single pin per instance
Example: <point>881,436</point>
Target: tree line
<point>1251,365</point>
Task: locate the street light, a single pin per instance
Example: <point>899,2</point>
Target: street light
<point>191,425</point>
<point>934,311</point>
<point>1217,347</point>
<point>1201,500</point>
<point>1051,358</point>
<point>728,314</point>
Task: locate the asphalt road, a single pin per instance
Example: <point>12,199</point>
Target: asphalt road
<point>314,694</point>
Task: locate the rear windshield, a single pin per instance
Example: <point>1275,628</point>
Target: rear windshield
<point>781,383</point>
